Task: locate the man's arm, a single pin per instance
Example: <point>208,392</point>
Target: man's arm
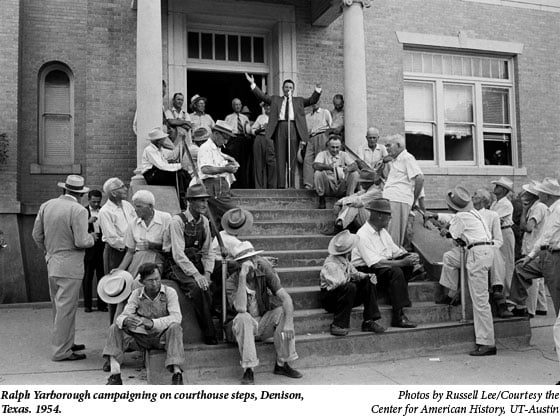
<point>240,297</point>
<point>418,185</point>
<point>130,308</point>
<point>208,254</point>
<point>109,232</point>
<point>288,307</point>
<point>314,98</point>
<point>261,96</point>
<point>161,324</point>
<point>38,230</point>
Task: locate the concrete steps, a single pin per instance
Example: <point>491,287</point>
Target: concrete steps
<point>288,242</point>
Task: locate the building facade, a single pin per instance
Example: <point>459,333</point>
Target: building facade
<point>472,83</point>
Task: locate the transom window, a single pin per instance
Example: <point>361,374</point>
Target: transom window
<point>226,47</point>
<point>458,109</point>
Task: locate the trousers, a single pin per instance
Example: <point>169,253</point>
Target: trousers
<point>399,221</point>
<point>264,163</point>
<point>64,294</point>
<point>315,145</point>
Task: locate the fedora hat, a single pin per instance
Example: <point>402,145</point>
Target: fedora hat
<point>197,191</point>
<point>200,134</point>
<point>156,134</point>
<point>530,188</point>
<point>459,199</point>
<point>115,287</point>
<point>380,205</point>
<point>548,186</point>
<point>223,127</point>
<point>343,243</point>
<point>245,110</point>
<point>196,98</point>
<point>237,221</point>
<point>504,182</point>
<point>244,250</point>
<point>368,176</point>
<point>74,183</point>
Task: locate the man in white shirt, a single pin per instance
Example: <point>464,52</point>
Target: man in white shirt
<point>403,187</point>
<point>374,152</point>
<point>200,120</point>
<point>239,146</point>
<point>178,121</point>
<point>319,121</point>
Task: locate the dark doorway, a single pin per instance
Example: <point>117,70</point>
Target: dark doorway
<point>220,88</point>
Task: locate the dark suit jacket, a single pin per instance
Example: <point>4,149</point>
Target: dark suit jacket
<point>92,252</point>
<point>299,105</point>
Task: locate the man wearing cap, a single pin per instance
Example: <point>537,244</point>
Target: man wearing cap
<point>468,229</point>
<point>403,186</point>
<point>352,209</point>
<point>504,208</point>
<point>287,117</point>
<point>114,217</point>
<point>178,121</point>
<point>61,231</point>
<point>199,118</point>
<point>193,258</point>
<point>544,258</point>
<point>264,156</point>
<point>376,253</point>
<point>343,287</point>
<point>239,145</point>
<point>318,121</point>
<point>253,313</point>
<point>152,317</point>
<point>335,172</point>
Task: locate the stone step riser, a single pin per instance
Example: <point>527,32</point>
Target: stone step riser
<point>299,258</point>
<point>285,203</point>
<point>291,228</point>
<point>272,243</point>
<point>241,193</point>
<point>300,215</point>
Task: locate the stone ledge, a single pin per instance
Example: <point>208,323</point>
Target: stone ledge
<point>39,169</point>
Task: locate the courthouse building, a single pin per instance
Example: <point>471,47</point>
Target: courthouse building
<point>474,84</point>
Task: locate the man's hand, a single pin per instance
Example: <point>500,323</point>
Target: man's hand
<point>524,261</point>
<point>318,85</point>
<point>202,281</point>
<point>132,322</point>
<point>387,159</point>
<point>246,267</point>
<point>249,78</point>
<point>408,261</point>
<point>92,219</point>
<point>147,323</point>
<point>288,331</point>
<point>443,232</point>
<point>231,168</point>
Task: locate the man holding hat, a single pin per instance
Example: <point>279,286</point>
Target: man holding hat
<point>544,258</point>
<point>193,258</point>
<point>253,313</point>
<point>377,253</point>
<point>264,156</point>
<point>61,231</point>
<point>343,287</point>
<point>152,317</point>
<point>504,208</point>
<point>467,228</point>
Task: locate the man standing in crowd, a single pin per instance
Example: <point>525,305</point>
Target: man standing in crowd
<point>61,231</point>
<point>114,217</point>
<point>239,145</point>
<point>193,258</point>
<point>319,121</point>
<point>287,117</point>
<point>93,261</point>
<point>403,187</point>
<point>264,156</point>
<point>337,126</point>
<point>202,123</point>
<point>178,121</point>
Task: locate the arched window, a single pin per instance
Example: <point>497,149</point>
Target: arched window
<point>56,115</point>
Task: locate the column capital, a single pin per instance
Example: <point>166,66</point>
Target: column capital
<point>364,3</point>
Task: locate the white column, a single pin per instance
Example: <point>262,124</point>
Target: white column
<point>355,90</point>
<point>148,73</point>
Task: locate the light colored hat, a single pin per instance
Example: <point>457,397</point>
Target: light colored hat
<point>548,186</point>
<point>459,199</point>
<point>74,183</point>
<point>197,191</point>
<point>380,205</point>
<point>504,182</point>
<point>116,287</point>
<point>245,110</point>
<point>112,184</point>
<point>200,134</point>
<point>530,188</point>
<point>368,176</point>
<point>156,134</point>
<point>223,127</point>
<point>343,243</point>
<point>237,221</point>
<point>244,250</point>
<point>196,98</point>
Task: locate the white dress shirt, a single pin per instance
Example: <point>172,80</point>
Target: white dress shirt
<point>210,155</point>
<point>232,120</point>
<point>373,247</point>
<point>230,242</point>
<point>260,123</point>
<point>538,212</point>
<point>504,208</point>
<point>371,157</point>
<point>138,234</point>
<point>492,221</point>
<point>153,156</point>
<point>400,186</point>
<point>318,121</point>
<point>114,222</point>
<point>550,235</point>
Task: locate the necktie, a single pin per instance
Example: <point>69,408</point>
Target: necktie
<point>287,110</point>
<point>239,125</point>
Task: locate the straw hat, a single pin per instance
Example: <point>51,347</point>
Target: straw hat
<point>368,176</point>
<point>380,205</point>
<point>200,134</point>
<point>197,98</point>
<point>197,191</point>
<point>115,287</point>
<point>223,127</point>
<point>459,199</point>
<point>343,243</point>
<point>548,186</point>
<point>237,221</point>
<point>74,183</point>
<point>530,188</point>
<point>244,250</point>
<point>504,182</point>
<point>156,134</point>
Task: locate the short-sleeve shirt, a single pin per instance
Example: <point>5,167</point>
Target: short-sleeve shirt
<point>204,120</point>
<point>504,208</point>
<point>138,234</point>
<point>210,155</point>
<point>373,247</point>
<point>371,157</point>
<point>342,160</point>
<point>399,185</point>
<point>538,212</point>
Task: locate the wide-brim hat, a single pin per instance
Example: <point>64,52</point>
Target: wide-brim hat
<point>244,250</point>
<point>548,186</point>
<point>197,98</point>
<point>343,242</point>
<point>197,191</point>
<point>504,182</point>
<point>380,205</point>
<point>459,199</point>
<point>530,188</point>
<point>201,134</point>
<point>368,176</point>
<point>237,221</point>
<point>115,287</point>
<point>74,183</point>
<point>223,127</point>
<point>245,110</point>
<point>156,134</point>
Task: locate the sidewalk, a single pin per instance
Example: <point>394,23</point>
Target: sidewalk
<point>25,359</point>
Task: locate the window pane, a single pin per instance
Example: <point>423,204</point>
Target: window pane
<point>477,72</point>
<point>427,63</point>
<point>457,66</point>
<point>486,67</point>
<point>220,46</point>
<point>504,74</point>
<point>233,54</point>
<point>207,46</point>
<point>418,101</point>
<point>497,149</point>
<point>258,49</point>
<point>192,40</point>
<point>57,147</point>
<point>437,64</point>
<point>407,61</point>
<point>447,65</point>
<point>417,62</point>
<point>246,49</point>
<point>458,103</point>
<point>57,93</point>
<point>495,68</point>
<point>458,142</point>
<point>495,105</point>
<point>420,140</point>
<point>467,66</point>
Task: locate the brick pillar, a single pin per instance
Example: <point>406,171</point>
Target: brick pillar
<point>148,74</point>
<point>355,89</point>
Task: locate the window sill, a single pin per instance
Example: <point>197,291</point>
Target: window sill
<point>37,169</point>
<point>472,170</point>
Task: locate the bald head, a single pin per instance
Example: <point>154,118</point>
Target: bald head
<point>372,136</point>
<point>236,105</point>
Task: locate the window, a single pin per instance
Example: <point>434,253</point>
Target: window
<point>56,115</point>
<point>458,109</point>
<point>226,47</point>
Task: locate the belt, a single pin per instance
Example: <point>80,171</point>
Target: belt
<point>479,244</point>
<point>549,249</point>
<point>506,227</point>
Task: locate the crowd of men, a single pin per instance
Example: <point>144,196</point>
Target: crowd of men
<point>131,247</point>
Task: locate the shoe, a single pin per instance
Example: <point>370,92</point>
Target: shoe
<point>402,322</point>
<point>107,366</point>
<point>448,300</point>
<point>338,331</point>
<point>114,380</point>
<point>503,311</point>
<point>73,356</point>
<point>78,347</point>
<point>484,351</point>
<point>210,341</point>
<point>286,370</point>
<point>177,379</point>
<point>322,203</point>
<point>103,309</point>
<point>248,377</point>
<point>522,312</point>
<point>372,326</point>
<point>542,313</point>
